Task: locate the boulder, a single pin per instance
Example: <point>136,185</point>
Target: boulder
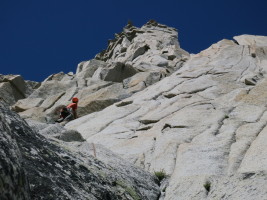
<point>18,84</point>
<point>6,92</point>
<point>70,136</point>
<point>55,131</point>
<point>13,88</point>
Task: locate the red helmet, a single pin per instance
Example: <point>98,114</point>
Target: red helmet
<point>75,100</point>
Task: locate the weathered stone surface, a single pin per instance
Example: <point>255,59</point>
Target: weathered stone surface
<point>18,84</point>
<point>70,136</point>
<point>199,118</point>
<point>13,179</point>
<point>25,104</point>
<point>115,73</point>
<point>55,131</point>
<point>36,113</point>
<point>153,49</point>
<point>86,70</point>
<point>33,84</point>
<point>101,99</point>
<point>61,76</point>
<point>6,92</point>
<point>252,40</point>
<point>13,88</point>
<point>51,100</point>
<point>255,160</point>
<point>55,172</point>
<point>52,87</point>
<point>46,98</point>
<point>47,130</point>
<point>148,78</point>
<point>202,124</point>
<point>151,45</point>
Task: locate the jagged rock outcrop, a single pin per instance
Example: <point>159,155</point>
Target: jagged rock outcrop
<point>38,167</point>
<point>205,125</point>
<point>14,87</point>
<point>135,59</point>
<point>152,46</point>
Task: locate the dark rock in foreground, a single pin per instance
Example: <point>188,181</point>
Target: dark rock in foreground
<point>34,167</point>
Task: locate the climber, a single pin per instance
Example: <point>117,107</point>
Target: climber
<point>69,112</point>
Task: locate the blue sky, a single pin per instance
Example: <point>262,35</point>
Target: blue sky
<point>42,37</point>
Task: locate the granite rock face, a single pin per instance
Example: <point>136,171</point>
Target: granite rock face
<point>204,125</point>
<point>133,60</point>
<point>153,46</point>
<point>13,180</point>
<point>38,167</point>
<point>200,119</point>
<point>14,87</point>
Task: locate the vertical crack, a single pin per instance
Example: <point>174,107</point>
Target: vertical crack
<point>55,101</point>
<point>242,152</point>
<point>221,121</point>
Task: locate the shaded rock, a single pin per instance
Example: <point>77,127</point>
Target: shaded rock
<point>6,92</point>
<point>139,50</point>
<point>33,84</point>
<point>18,84</point>
<point>13,179</point>
<point>86,69</point>
<point>115,73</point>
<point>250,81</point>
<point>125,168</point>
<point>55,131</point>
<point>71,135</point>
<point>13,88</point>
<point>53,171</point>
<point>47,130</point>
